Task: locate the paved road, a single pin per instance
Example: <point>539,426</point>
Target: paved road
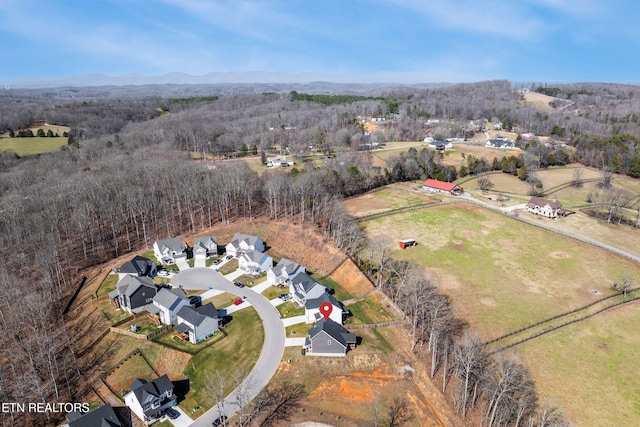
<point>274,336</point>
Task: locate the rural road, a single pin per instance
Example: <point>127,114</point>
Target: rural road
<point>274,336</point>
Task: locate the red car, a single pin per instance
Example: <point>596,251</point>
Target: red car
<point>238,301</point>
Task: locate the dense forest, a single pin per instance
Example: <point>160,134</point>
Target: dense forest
<point>128,177</point>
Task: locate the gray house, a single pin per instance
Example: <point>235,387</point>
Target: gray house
<point>305,287</point>
<point>284,271</point>
<point>102,416</point>
<point>328,338</point>
<point>133,293</point>
<point>244,242</point>
<point>205,246</point>
<point>138,266</point>
<point>150,400</point>
<point>167,303</point>
<point>197,323</point>
<point>168,250</point>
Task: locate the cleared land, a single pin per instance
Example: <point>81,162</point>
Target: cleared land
<point>35,144</point>
<point>503,275</point>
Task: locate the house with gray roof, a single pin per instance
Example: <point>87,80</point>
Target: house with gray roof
<point>102,416</point>
<point>138,266</point>
<point>167,303</point>
<point>312,309</point>
<point>304,287</point>
<point>500,143</point>
<point>199,323</point>
<point>283,272</point>
<point>244,242</point>
<point>204,247</point>
<point>149,400</point>
<point>133,293</point>
<point>168,250</point>
<point>254,262</point>
<point>328,338</point>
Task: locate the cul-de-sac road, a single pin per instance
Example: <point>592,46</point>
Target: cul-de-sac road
<point>274,336</point>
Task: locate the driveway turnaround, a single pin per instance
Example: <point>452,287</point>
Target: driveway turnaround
<point>274,337</point>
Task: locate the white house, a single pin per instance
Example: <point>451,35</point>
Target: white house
<point>204,247</point>
<point>305,287</point>
<point>167,303</point>
<point>244,242</point>
<point>283,272</point>
<point>441,145</point>
<point>199,323</point>
<point>150,400</point>
<point>544,207</point>
<point>168,250</point>
<point>312,309</point>
<point>254,262</point>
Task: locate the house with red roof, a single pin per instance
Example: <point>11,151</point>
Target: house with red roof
<point>441,187</point>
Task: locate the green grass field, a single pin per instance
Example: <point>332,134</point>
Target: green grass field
<point>503,274</point>
<point>34,145</point>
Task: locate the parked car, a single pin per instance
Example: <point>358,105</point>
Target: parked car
<point>238,284</point>
<point>218,261</point>
<point>173,414</point>
<point>195,300</point>
<point>163,273</point>
<point>219,421</point>
<point>238,301</point>
<point>229,256</point>
<point>284,297</point>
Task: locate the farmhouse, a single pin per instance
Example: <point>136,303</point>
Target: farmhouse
<point>283,272</point>
<point>504,144</point>
<point>254,262</point>
<point>440,145</point>
<point>199,323</point>
<point>168,250</point>
<point>328,338</point>
<point>133,293</point>
<point>150,400</point>
<point>138,266</point>
<point>204,247</point>
<point>441,187</point>
<point>244,242</point>
<point>544,207</point>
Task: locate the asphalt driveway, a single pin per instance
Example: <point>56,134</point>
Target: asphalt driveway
<point>274,335</point>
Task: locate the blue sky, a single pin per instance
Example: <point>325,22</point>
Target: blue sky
<point>399,40</point>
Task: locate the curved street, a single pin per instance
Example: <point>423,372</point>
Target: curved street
<point>274,335</point>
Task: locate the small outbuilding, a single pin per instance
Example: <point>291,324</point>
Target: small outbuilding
<point>407,243</point>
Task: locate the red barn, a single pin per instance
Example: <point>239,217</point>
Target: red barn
<point>436,186</point>
<point>407,243</point>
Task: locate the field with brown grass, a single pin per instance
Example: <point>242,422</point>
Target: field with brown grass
<point>503,274</point>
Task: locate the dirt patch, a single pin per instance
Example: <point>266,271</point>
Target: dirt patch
<point>508,245</point>
<point>488,301</point>
<point>351,279</point>
<point>559,255</point>
<point>446,280</point>
<point>468,234</point>
<point>491,224</point>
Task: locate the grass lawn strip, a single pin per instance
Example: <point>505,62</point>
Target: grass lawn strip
<point>108,285</point>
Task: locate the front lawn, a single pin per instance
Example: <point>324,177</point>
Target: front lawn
<point>229,267</point>
<point>273,292</point>
<point>298,330</point>
<point>236,353</point>
<point>288,309</point>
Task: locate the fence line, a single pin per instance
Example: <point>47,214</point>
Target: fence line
<point>378,325</point>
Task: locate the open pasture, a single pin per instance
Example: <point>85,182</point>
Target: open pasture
<point>503,274</point>
<point>393,197</point>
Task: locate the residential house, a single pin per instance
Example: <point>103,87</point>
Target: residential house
<point>283,272</point>
<point>441,145</point>
<point>254,262</point>
<point>503,144</point>
<point>312,309</point>
<point>133,293</point>
<point>328,338</point>
<point>435,186</point>
<point>150,400</point>
<point>305,287</point>
<point>544,207</point>
<point>244,242</point>
<point>204,247</point>
<point>279,163</point>
<point>138,266</point>
<point>167,303</point>
<point>168,250</point>
<point>198,323</point>
<point>102,416</point>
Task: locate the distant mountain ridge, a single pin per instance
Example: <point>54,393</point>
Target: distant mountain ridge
<point>213,78</point>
